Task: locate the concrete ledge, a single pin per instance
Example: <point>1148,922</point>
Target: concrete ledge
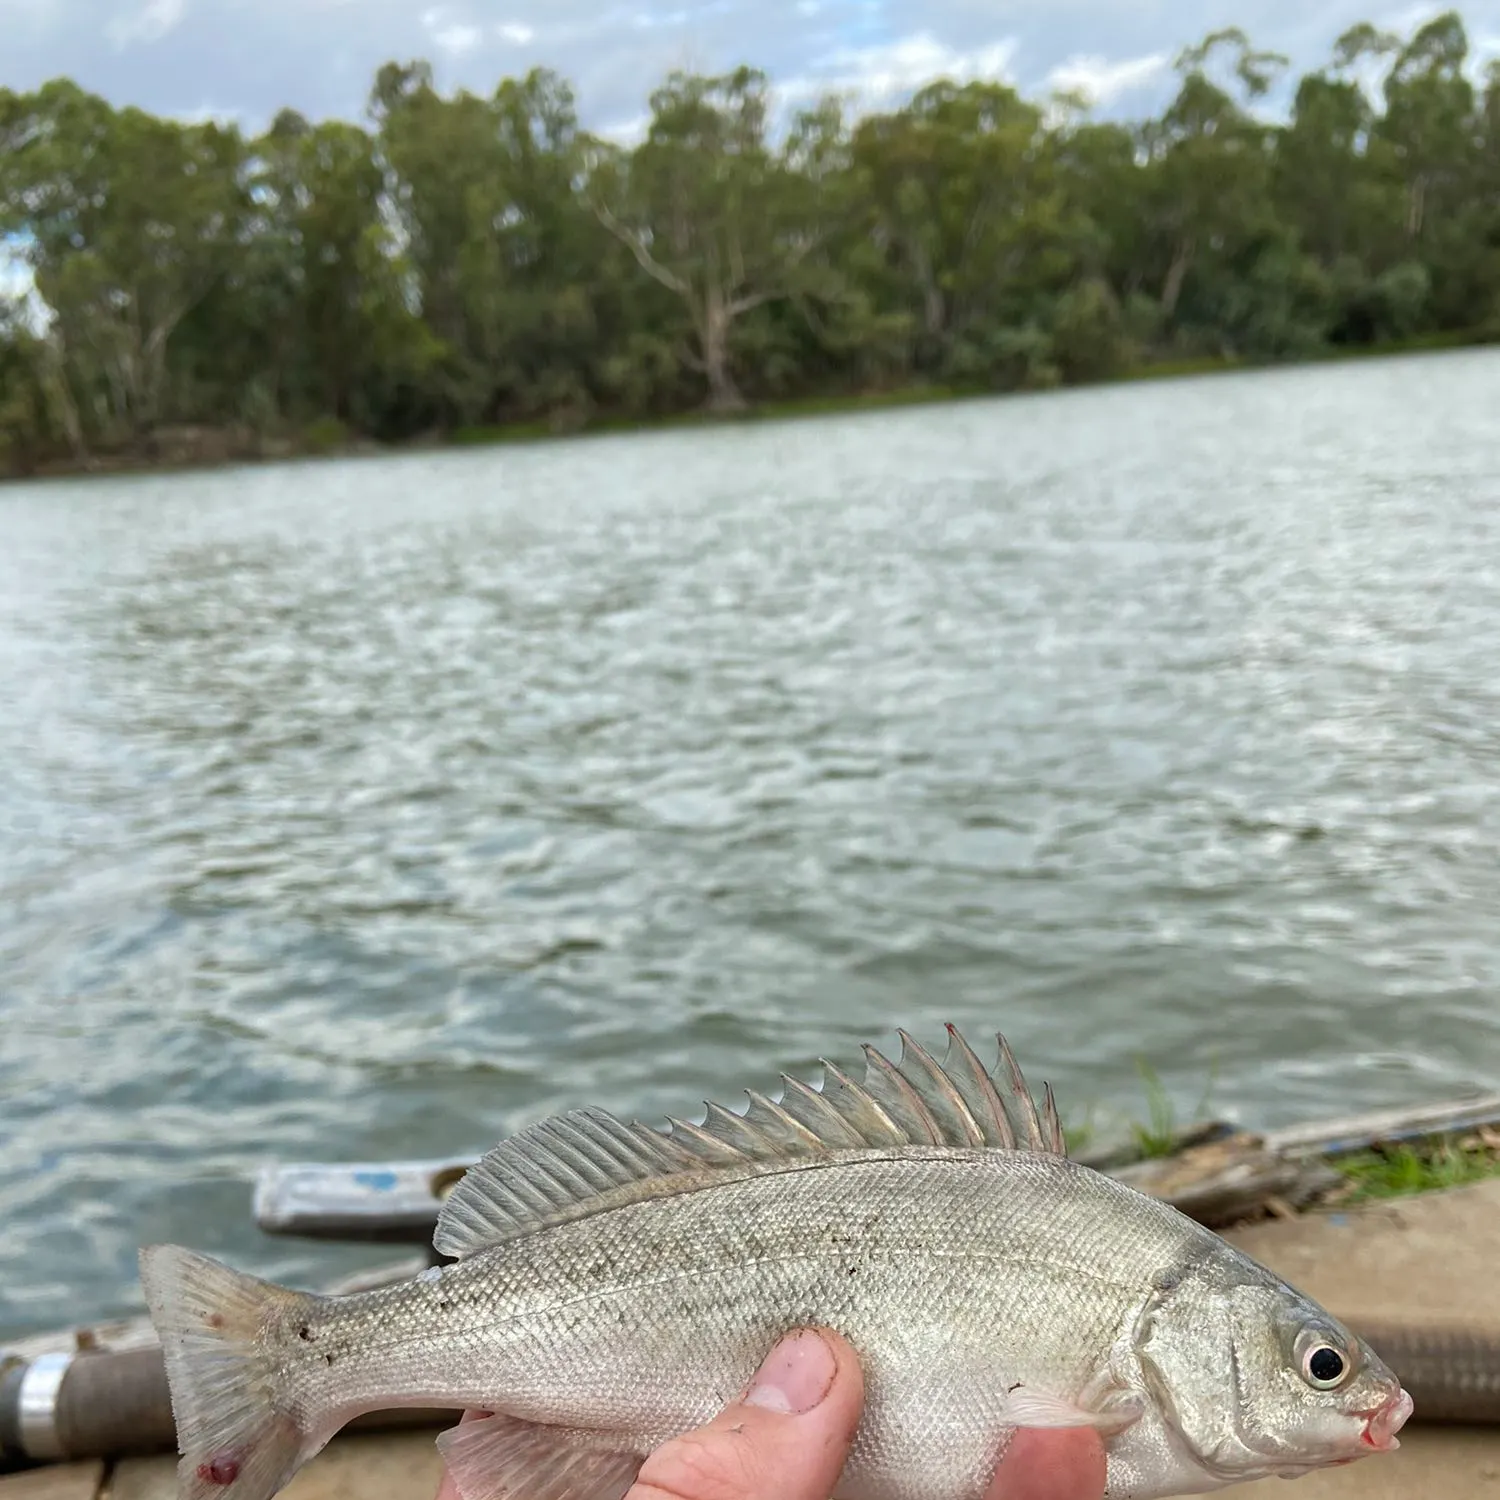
<point>1434,1257</point>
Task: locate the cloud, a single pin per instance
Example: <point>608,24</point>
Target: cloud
<point>15,274</point>
<point>1407,18</point>
<point>627,133</point>
<point>18,286</point>
<point>1101,81</point>
<point>252,57</point>
<point>450,37</point>
<point>149,24</point>
<point>885,72</point>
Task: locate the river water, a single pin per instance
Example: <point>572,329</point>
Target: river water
<point>376,808</point>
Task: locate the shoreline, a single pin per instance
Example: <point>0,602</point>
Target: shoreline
<point>203,449</point>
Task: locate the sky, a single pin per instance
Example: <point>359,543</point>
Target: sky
<point>244,59</point>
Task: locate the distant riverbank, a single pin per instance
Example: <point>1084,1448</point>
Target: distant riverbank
<point>183,448</point>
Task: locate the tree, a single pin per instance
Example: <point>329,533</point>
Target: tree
<point>1428,118</point>
<point>470,259</point>
<point>129,222</point>
<point>709,211</point>
<point>967,206</point>
<point>1209,162</point>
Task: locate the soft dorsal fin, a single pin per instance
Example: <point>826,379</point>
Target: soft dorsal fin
<point>586,1161</point>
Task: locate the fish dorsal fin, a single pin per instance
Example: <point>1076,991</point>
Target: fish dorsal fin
<point>586,1161</point>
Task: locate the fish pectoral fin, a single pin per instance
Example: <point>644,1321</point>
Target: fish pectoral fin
<point>1033,1408</point>
<point>502,1458</point>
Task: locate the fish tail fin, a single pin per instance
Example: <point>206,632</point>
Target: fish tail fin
<point>236,1443</point>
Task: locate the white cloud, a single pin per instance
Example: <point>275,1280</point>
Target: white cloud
<point>318,56</point>
<point>457,39</point>
<point>149,24</point>
<point>876,75</point>
<point>1408,18</point>
<point>17,285</point>
<point>1101,81</point>
<point>209,114</point>
<point>627,133</point>
<point>454,38</point>
<point>15,276</point>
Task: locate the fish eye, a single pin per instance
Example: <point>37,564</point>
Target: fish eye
<point>1325,1367</point>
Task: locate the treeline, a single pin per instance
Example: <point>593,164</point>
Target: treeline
<point>468,262</point>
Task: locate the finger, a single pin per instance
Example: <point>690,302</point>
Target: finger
<point>1065,1463</point>
<point>448,1490</point>
<point>785,1439</point>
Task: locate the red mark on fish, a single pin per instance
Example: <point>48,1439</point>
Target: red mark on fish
<point>222,1468</point>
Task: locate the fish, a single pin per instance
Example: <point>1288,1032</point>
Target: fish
<point>603,1287</point>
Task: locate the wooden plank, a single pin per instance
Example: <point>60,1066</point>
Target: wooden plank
<point>144,1479</point>
<point>385,1466</point>
<point>79,1481</point>
<point>1227,1181</point>
<point>1358,1132</point>
<point>1455,1463</point>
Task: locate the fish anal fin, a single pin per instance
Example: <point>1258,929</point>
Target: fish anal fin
<point>585,1161</point>
<point>501,1458</point>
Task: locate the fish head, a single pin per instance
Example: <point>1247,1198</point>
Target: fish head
<point>1257,1379</point>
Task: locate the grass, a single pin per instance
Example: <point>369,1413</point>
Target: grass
<point>1428,1166</point>
<point>1081,1136</point>
<point>1396,1170</point>
<point>1159,1135</point>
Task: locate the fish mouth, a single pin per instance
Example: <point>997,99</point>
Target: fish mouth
<point>1382,1425</point>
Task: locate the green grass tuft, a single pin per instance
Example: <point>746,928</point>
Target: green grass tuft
<point>1158,1136</point>
<point>1399,1171</point>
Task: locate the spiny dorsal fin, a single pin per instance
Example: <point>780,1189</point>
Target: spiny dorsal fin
<point>586,1161</point>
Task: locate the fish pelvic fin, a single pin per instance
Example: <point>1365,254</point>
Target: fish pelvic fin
<point>236,1444</point>
<point>586,1161</point>
<point>1033,1408</point>
<point>501,1458</point>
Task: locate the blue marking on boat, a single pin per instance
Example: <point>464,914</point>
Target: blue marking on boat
<point>380,1182</point>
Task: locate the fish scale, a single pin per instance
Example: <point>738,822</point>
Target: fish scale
<point>616,1285</point>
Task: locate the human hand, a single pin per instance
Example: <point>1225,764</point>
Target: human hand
<point>787,1439</point>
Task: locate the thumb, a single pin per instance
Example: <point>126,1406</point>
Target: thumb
<point>1064,1463</point>
<point>786,1438</point>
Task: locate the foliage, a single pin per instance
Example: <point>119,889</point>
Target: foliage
<point>463,264</point>
<point>1158,1136</point>
<point>1397,1171</point>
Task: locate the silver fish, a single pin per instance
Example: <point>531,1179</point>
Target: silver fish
<point>613,1285</point>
